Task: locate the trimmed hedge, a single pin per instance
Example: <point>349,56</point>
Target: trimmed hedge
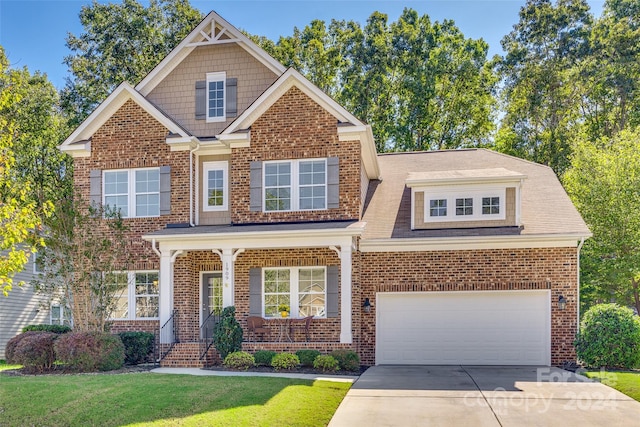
<point>307,356</point>
<point>56,329</point>
<point>264,357</point>
<point>137,346</point>
<point>34,351</point>
<point>10,348</point>
<point>90,351</point>
<point>609,337</point>
<point>326,363</point>
<point>240,360</point>
<point>285,361</point>
<point>347,359</point>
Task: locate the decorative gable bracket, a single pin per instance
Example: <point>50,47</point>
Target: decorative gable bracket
<point>212,36</point>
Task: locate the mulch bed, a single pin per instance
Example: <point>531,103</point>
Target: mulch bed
<point>300,370</point>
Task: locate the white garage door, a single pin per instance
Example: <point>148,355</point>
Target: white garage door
<point>448,328</point>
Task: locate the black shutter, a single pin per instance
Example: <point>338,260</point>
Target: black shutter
<point>232,97</point>
<point>255,292</point>
<point>201,100</point>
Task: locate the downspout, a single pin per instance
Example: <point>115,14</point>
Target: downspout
<point>191,201</point>
<point>578,299</point>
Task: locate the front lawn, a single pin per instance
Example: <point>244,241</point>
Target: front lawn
<point>4,366</point>
<point>625,382</point>
<point>145,399</point>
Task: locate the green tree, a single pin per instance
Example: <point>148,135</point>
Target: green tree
<point>604,184</point>
<point>20,215</point>
<point>610,74</point>
<point>121,42</point>
<point>539,78</point>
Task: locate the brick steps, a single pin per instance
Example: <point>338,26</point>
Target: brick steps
<point>187,355</point>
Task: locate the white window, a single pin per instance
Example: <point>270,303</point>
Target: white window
<point>135,295</point>
<point>215,186</point>
<point>302,289</point>
<point>38,263</point>
<point>471,205</point>
<point>216,99</point>
<point>59,315</point>
<point>134,192</point>
<point>295,185</point>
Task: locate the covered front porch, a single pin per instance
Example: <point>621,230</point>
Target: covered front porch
<point>254,267</point>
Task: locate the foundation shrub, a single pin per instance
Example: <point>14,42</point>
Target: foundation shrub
<point>348,360</point>
<point>285,361</point>
<point>325,363</point>
<point>240,360</point>
<point>307,356</point>
<point>56,329</point>
<point>90,351</point>
<point>137,346</point>
<point>264,357</point>
<point>35,351</point>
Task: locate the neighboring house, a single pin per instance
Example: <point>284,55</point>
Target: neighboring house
<point>244,184</point>
<point>25,307</point>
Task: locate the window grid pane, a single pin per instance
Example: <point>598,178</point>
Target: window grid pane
<point>116,192</point>
<point>277,194</point>
<point>438,207</point>
<point>146,294</point>
<point>464,206</point>
<point>216,99</point>
<point>490,205</point>
<point>119,283</point>
<point>313,181</point>
<point>147,192</point>
<point>277,288</point>
<point>215,188</point>
<point>311,292</point>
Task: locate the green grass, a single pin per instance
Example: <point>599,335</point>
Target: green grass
<point>625,382</point>
<point>4,366</point>
<point>146,399</point>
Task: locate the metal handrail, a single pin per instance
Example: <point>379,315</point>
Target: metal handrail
<point>168,335</point>
<point>206,333</point>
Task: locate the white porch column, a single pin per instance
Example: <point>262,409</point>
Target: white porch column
<point>345,294</point>
<point>166,294</point>
<point>227,277</point>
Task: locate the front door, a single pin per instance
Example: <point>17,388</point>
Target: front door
<point>211,300</point>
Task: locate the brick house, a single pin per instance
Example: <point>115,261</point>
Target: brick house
<point>243,184</point>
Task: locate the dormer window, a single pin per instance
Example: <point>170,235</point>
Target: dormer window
<point>465,198</point>
<point>216,97</point>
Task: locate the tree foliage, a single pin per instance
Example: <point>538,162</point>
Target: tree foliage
<point>20,215</point>
<point>604,184</point>
<point>421,85</point>
<point>120,42</point>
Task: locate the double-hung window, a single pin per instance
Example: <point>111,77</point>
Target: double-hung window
<point>295,185</point>
<point>472,205</point>
<point>215,186</point>
<point>216,99</point>
<point>135,295</point>
<point>302,289</point>
<point>133,192</point>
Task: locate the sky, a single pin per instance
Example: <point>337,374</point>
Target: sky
<point>33,32</point>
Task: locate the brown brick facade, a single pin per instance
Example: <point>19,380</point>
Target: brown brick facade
<point>132,138</point>
<point>477,270</point>
<point>295,127</point>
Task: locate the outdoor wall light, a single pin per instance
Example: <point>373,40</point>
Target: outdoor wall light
<point>366,305</point>
<point>562,302</point>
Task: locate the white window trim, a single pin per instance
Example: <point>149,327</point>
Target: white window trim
<point>217,77</point>
<point>35,265</point>
<point>213,166</point>
<point>131,191</point>
<point>131,295</point>
<point>475,194</point>
<point>294,276</point>
<point>294,185</point>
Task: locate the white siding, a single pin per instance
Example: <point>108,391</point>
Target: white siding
<point>21,308</point>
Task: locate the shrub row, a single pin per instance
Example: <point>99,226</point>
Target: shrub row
<point>347,360</point>
<point>56,329</point>
<point>37,351</point>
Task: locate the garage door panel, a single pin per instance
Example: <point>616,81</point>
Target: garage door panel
<point>451,328</point>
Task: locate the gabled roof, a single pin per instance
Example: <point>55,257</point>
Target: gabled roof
<point>106,109</point>
<point>356,130</point>
<point>213,29</point>
<point>547,211</point>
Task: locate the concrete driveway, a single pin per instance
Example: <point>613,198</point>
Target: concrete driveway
<point>482,396</point>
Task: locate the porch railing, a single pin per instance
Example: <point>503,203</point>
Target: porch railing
<point>168,335</point>
<point>206,333</point>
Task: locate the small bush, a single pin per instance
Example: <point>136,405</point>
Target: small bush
<point>285,361</point>
<point>90,351</point>
<point>35,351</point>
<point>348,360</point>
<point>137,346</point>
<point>609,337</point>
<point>227,335</point>
<point>56,329</point>
<point>307,356</point>
<point>9,349</point>
<point>326,363</point>
<point>240,360</point>
<point>264,357</point>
